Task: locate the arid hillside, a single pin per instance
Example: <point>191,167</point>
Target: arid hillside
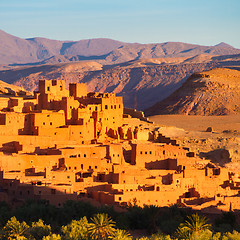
<point>149,82</point>
<point>214,92</point>
<point>11,90</point>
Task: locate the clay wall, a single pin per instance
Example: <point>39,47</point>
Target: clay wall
<point>3,103</point>
<point>115,153</point>
<point>11,122</point>
<point>78,90</point>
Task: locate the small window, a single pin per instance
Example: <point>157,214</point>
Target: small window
<point>150,152</point>
<point>50,123</point>
<point>90,167</point>
<point>79,155</point>
<point>119,198</point>
<point>145,152</point>
<point>75,168</point>
<point>69,168</point>
<point>48,88</point>
<point>96,108</point>
<point>61,88</point>
<point>84,155</point>
<point>115,106</point>
<point>119,106</point>
<point>140,152</point>
<point>95,167</point>
<point>43,123</point>
<point>111,106</point>
<point>68,177</point>
<point>106,106</point>
<point>81,166</point>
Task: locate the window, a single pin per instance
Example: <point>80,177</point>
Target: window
<point>150,152</point>
<point>68,177</point>
<point>106,106</point>
<point>84,155</point>
<point>90,167</point>
<point>119,198</point>
<point>75,168</point>
<point>50,123</point>
<point>96,108</point>
<point>61,88</point>
<point>43,123</point>
<point>145,152</point>
<point>115,106</point>
<point>140,152</point>
<point>48,88</point>
<point>69,168</point>
<point>95,167</point>
<point>81,166</point>
<point>79,155</point>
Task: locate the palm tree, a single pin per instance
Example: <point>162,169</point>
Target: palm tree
<point>102,227</point>
<point>120,234</point>
<point>15,229</point>
<point>194,225</point>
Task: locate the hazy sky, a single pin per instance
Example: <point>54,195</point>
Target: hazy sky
<point>205,22</point>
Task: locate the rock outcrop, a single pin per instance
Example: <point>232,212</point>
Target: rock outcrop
<point>214,92</point>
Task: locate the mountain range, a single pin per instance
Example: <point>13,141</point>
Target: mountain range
<point>14,50</point>
<point>146,72</point>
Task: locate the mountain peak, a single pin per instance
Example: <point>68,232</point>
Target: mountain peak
<point>223,45</point>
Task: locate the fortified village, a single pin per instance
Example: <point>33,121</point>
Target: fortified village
<point>72,144</point>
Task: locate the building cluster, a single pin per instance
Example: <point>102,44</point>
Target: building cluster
<point>72,144</point>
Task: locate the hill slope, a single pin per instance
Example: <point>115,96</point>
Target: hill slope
<point>214,92</point>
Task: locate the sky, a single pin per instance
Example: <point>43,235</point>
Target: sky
<point>204,22</point>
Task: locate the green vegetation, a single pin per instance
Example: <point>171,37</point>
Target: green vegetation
<point>82,221</point>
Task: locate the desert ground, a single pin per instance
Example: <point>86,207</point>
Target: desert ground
<point>221,145</point>
<point>200,123</point>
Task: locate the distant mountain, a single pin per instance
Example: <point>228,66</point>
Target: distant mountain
<point>214,92</point>
<point>18,50</point>
<point>14,50</point>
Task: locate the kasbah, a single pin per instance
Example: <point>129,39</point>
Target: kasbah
<point>61,145</point>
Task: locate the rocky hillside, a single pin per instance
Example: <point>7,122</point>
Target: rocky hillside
<point>214,92</point>
<point>11,90</point>
<point>150,82</point>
